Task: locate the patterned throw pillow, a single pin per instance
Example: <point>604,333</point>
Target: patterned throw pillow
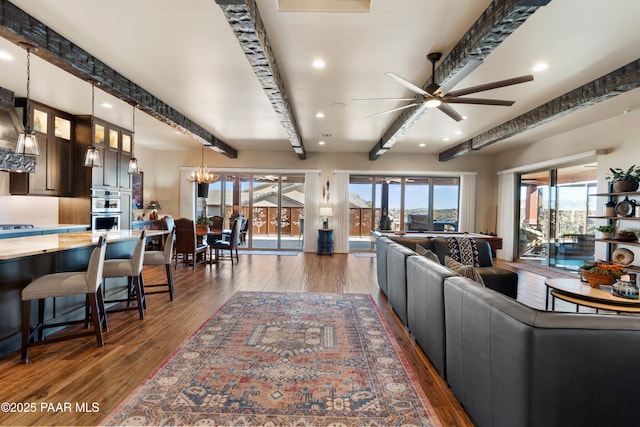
<point>464,250</point>
<point>427,253</point>
<point>467,271</point>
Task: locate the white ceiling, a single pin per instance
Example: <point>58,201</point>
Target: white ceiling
<point>185,54</point>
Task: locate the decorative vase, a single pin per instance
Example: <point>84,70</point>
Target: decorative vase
<point>596,279</point>
<point>625,186</point>
<point>202,229</point>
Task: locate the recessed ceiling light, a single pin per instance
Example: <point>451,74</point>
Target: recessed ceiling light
<point>458,132</point>
<point>6,56</point>
<point>541,66</point>
<point>320,115</point>
<point>422,144</point>
<point>446,139</point>
<point>464,117</point>
<point>318,63</point>
<point>106,105</point>
<point>321,142</point>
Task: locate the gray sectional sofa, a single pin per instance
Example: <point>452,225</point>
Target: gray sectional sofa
<point>509,364</point>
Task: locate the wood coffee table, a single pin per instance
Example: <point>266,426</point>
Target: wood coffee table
<point>579,293</point>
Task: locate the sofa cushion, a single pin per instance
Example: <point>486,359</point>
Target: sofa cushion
<point>411,242</point>
<point>427,253</point>
<point>467,271</point>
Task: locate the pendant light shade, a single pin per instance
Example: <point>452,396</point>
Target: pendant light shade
<point>133,162</point>
<point>27,144</point>
<point>92,156</point>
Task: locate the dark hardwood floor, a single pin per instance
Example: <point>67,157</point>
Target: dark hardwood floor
<point>78,371</point>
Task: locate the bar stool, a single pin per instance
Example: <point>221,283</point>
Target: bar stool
<point>131,268</point>
<point>163,257</point>
<point>63,284</point>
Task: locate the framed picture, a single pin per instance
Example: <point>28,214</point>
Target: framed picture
<point>137,190</point>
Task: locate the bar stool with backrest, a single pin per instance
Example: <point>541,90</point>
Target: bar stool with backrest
<point>63,284</point>
<point>231,245</point>
<point>131,268</point>
<point>162,257</point>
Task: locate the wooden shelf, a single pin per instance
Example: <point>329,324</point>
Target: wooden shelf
<point>621,242</point>
<point>628,193</point>
<point>620,218</point>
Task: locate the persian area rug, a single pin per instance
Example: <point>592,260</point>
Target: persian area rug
<point>284,359</point>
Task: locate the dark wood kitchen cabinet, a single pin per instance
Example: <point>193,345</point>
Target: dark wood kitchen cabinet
<point>114,144</point>
<point>54,168</point>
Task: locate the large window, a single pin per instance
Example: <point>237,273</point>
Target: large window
<point>400,203</point>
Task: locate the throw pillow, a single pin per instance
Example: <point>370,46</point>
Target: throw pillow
<point>427,253</point>
<point>464,250</point>
<point>467,271</point>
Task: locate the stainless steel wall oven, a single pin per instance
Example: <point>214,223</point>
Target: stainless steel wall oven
<point>105,210</point>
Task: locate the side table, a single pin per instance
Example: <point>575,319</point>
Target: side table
<point>325,242</point>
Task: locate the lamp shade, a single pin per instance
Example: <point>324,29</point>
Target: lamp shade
<point>154,205</point>
<point>326,211</point>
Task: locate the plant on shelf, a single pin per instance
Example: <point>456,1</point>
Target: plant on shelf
<point>606,228</point>
<point>625,180</point>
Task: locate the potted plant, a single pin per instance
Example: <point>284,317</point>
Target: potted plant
<point>625,180</point>
<point>202,223</point>
<point>601,273</point>
<point>606,230</point>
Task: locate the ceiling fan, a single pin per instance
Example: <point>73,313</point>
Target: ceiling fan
<point>439,96</point>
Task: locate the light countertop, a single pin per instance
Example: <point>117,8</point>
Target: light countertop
<point>18,247</point>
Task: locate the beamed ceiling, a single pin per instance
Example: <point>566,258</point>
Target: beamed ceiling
<point>236,75</point>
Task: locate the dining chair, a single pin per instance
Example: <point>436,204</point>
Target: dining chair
<point>231,245</point>
<point>187,244</point>
<point>63,284</point>
<point>163,257</point>
<point>131,268</point>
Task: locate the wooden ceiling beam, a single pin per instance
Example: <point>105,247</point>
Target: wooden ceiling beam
<point>496,23</point>
<point>18,26</point>
<point>623,79</point>
<point>245,21</point>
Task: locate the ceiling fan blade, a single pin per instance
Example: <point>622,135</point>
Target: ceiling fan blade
<point>394,109</point>
<point>460,75</point>
<point>449,111</point>
<point>489,86</point>
<point>406,83</point>
<point>384,99</point>
<point>479,101</point>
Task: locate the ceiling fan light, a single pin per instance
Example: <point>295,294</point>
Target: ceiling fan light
<point>432,103</point>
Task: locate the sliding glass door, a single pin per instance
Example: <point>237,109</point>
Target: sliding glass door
<point>555,228</point>
<point>273,206</point>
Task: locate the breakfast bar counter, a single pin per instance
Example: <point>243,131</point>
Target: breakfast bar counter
<point>17,247</point>
<point>23,259</point>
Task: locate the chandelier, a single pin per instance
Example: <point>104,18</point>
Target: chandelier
<point>202,174</point>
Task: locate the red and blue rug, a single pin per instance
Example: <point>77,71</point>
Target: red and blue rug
<point>284,359</point>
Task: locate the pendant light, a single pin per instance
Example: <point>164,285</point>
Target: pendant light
<point>27,142</point>
<point>92,156</point>
<point>133,162</point>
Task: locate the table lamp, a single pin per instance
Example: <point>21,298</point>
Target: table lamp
<point>326,212</point>
<point>154,206</point>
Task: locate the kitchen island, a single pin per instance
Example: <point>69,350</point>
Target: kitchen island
<point>23,259</point>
